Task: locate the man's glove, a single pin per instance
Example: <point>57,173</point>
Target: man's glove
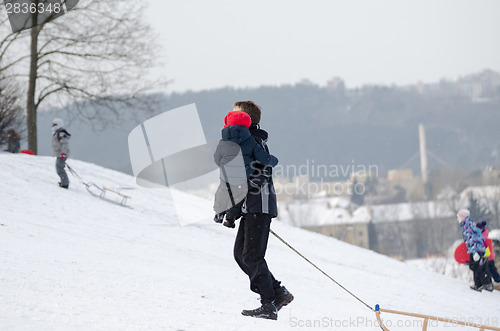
<point>63,156</point>
<point>229,221</point>
<point>218,218</point>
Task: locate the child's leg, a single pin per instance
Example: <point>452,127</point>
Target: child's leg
<point>476,270</point>
<point>484,273</point>
<point>493,271</point>
<point>60,164</point>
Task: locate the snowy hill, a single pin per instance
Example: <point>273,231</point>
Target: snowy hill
<point>71,261</point>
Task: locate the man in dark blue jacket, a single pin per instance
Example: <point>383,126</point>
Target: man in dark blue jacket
<point>253,233</point>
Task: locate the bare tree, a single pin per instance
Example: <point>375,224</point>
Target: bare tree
<point>95,56</point>
<point>493,203</point>
<point>448,179</point>
<point>478,209</point>
<point>11,113</point>
<point>488,205</point>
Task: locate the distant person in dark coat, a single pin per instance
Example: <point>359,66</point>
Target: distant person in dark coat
<point>60,148</point>
<point>259,208</point>
<point>236,140</point>
<point>13,144</point>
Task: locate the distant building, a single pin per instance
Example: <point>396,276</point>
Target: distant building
<point>400,174</point>
<point>355,234</point>
<point>405,230</point>
<point>479,87</point>
<point>491,176</point>
<point>335,84</point>
<point>403,180</point>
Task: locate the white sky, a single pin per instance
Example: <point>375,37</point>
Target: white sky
<point>210,44</point>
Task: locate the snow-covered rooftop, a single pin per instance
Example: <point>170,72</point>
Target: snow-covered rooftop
<point>318,212</point>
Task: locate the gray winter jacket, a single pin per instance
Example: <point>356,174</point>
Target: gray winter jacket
<point>60,142</point>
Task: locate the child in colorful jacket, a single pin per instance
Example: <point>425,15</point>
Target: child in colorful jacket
<point>476,247</point>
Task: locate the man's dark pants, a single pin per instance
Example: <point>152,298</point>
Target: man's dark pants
<point>249,251</point>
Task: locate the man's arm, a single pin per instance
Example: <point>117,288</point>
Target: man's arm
<point>264,157</point>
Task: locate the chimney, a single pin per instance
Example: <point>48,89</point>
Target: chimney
<point>423,153</point>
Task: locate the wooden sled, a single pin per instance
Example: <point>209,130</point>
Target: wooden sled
<point>100,192</point>
<point>428,318</point>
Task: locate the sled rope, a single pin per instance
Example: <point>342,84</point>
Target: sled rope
<point>73,172</point>
<point>87,185</point>
<point>324,273</point>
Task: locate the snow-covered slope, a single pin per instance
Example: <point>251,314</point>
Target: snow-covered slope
<point>71,261</point>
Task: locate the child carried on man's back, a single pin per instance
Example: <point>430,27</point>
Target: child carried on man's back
<point>236,140</point>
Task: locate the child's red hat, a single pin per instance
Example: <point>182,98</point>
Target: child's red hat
<point>237,118</point>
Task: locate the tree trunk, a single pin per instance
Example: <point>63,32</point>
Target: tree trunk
<point>31,106</point>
